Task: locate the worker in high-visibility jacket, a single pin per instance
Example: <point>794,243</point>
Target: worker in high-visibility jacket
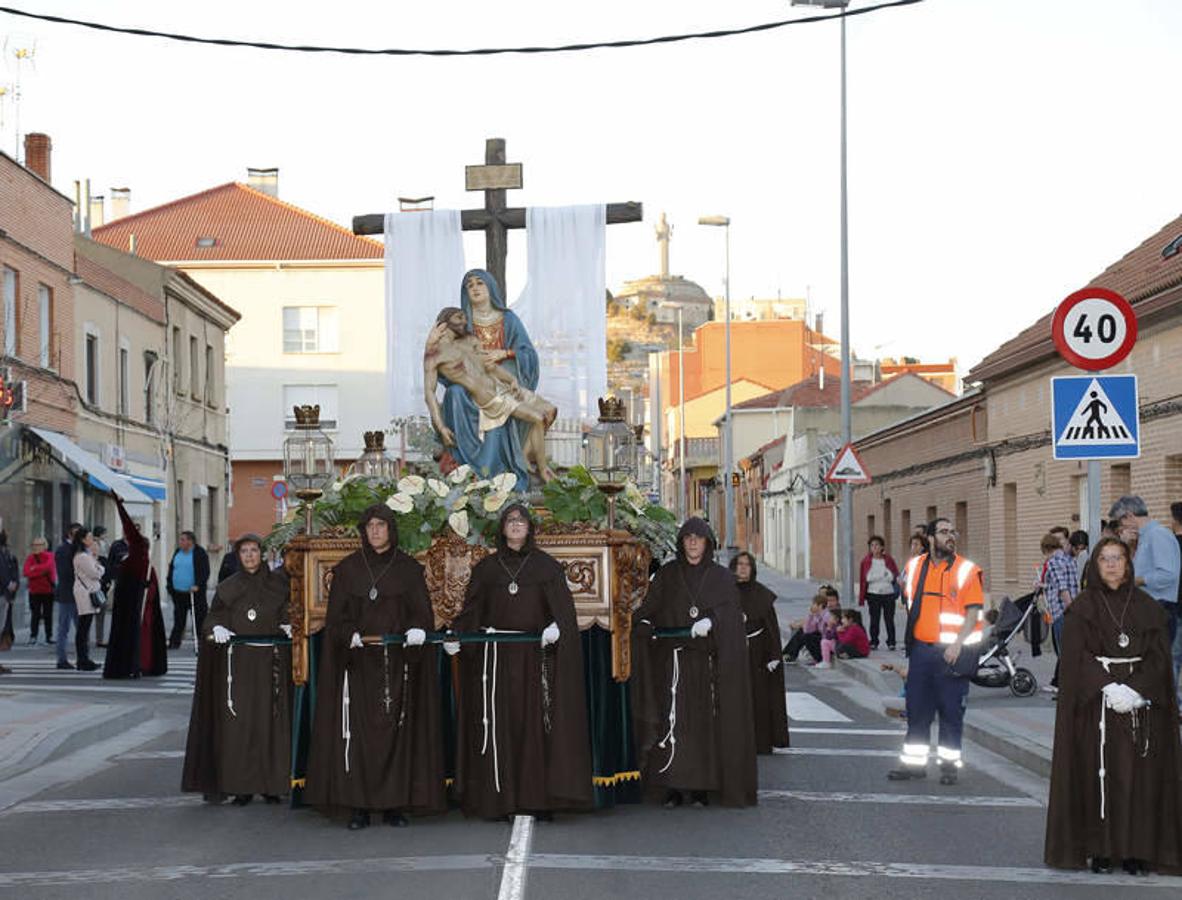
<point>944,596</point>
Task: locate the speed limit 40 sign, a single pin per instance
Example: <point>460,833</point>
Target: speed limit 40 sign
<point>1094,328</point>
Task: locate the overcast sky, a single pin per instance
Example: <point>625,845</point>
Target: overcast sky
<point>1002,152</point>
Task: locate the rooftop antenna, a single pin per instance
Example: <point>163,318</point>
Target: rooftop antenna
<point>21,49</point>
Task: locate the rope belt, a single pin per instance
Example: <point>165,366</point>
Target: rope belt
<point>670,737</point>
<point>755,634</point>
<point>489,697</point>
<point>264,641</point>
<point>1106,662</point>
<point>345,733</point>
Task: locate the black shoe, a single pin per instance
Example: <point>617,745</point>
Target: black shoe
<point>906,773</point>
<point>360,820</point>
<point>948,775</point>
<point>394,818</point>
<point>65,664</point>
<point>891,647</point>
<point>546,816</point>
<point>698,799</point>
<point>1101,865</point>
<point>270,799</point>
<point>87,665</point>
<point>214,799</point>
<point>242,799</point>
<point>1135,867</point>
<point>874,645</point>
<point>673,799</point>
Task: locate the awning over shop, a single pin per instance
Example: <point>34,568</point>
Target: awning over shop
<point>92,467</point>
<point>153,487</point>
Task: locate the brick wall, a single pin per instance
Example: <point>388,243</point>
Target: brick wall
<point>254,508</point>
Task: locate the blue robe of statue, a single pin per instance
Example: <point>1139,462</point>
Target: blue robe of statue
<point>502,448</point>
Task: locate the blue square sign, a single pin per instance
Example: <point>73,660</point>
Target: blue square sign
<point>1095,417</point>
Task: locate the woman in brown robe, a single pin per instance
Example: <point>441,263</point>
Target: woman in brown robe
<point>769,703</point>
<point>240,727</point>
<point>376,735</point>
<point>691,695</point>
<point>1116,773</point>
<point>523,743</point>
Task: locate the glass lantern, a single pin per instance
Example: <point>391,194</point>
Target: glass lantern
<point>611,452</point>
<point>373,466</point>
<point>307,460</point>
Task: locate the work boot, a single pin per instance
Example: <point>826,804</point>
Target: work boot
<point>905,773</point>
<point>948,775</point>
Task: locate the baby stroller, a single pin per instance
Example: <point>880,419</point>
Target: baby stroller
<point>996,668</point>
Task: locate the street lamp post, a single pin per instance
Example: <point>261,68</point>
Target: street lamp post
<point>728,444</point>
<point>846,542</point>
<point>682,485</point>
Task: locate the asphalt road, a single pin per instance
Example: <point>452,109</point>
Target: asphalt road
<point>828,824</point>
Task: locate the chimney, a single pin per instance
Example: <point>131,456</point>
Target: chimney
<point>120,203</point>
<point>37,151</point>
<point>98,211</point>
<point>265,180</point>
<point>819,327</point>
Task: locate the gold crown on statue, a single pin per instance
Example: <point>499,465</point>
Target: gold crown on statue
<point>375,440</point>
<point>307,416</point>
<point>611,409</point>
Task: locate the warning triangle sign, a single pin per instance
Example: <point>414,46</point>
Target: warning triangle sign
<point>1095,422</point>
<point>847,468</point>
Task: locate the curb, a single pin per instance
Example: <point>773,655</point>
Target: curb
<point>63,741</point>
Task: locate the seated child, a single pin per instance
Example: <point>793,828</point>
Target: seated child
<point>830,621</point>
<point>808,632</point>
<point>852,641</point>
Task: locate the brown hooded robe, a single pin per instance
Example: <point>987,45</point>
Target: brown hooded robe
<point>536,745</point>
<point>1143,784</point>
<point>240,732</point>
<point>393,756</point>
<point>769,706</point>
<point>714,746</point>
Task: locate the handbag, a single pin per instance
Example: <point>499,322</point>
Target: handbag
<point>98,600</point>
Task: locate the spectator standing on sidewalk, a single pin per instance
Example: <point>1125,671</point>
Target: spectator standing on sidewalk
<point>188,575</point>
<point>67,609</point>
<point>769,704</point>
<point>10,582</point>
<point>1060,587</point>
<point>1158,559</point>
<point>88,578</point>
<point>42,576</point>
<point>1079,553</point>
<point>878,588</point>
<point>944,620</point>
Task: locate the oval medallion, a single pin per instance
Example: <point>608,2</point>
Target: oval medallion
<point>512,587</point>
<point>251,614</point>
<point>693,611</point>
<point>1123,640</point>
<point>373,593</point>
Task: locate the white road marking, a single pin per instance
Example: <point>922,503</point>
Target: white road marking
<point>99,686</point>
<point>893,732</point>
<point>516,859</point>
<point>831,751</point>
<point>804,707</point>
<point>906,799</point>
<point>105,803</point>
<point>859,869</point>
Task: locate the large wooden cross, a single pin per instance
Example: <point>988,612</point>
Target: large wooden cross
<point>495,220</point>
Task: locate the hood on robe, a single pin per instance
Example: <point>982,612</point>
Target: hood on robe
<point>734,565</point>
<point>383,512</point>
<point>529,537</point>
<point>1092,570</point>
<point>700,527</point>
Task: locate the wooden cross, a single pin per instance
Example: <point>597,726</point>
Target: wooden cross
<point>494,178</point>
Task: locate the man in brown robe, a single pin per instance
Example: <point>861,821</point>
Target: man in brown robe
<point>692,695</point>
<point>240,729</point>
<point>523,746</point>
<point>769,703</point>
<point>376,739</point>
<point>1116,772</point>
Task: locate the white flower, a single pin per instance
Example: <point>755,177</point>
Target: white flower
<point>440,489</point>
<point>400,502</point>
<point>459,522</point>
<point>477,485</point>
<point>336,486</point>
<point>632,493</point>
<point>493,502</point>
<point>459,473</point>
<point>460,501</point>
<point>504,483</point>
<point>411,484</point>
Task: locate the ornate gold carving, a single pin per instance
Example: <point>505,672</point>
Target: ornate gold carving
<point>447,565</point>
<point>580,575</point>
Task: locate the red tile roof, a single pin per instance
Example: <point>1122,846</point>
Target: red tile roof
<point>1139,275</point>
<point>245,224</point>
<point>809,393</point>
<point>112,285</point>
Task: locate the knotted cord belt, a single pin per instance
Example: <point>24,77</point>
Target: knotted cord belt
<point>1107,661</point>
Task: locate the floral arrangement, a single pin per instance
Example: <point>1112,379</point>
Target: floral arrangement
<point>573,497</point>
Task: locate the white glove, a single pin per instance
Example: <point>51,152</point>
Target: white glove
<point>1120,698</point>
<point>415,637</point>
<point>221,634</point>
<point>355,642</point>
<point>550,634</point>
<point>701,628</point>
<point>286,629</point>
<point>773,665</point>
<point>451,648</point>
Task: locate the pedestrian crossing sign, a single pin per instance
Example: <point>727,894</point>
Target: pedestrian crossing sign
<point>1095,417</point>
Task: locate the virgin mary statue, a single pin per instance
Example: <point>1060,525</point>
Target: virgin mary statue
<point>506,343</point>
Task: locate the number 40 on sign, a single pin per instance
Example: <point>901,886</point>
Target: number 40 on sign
<point>1094,328</point>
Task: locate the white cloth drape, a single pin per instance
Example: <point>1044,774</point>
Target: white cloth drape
<point>424,268</point>
<point>563,304</point>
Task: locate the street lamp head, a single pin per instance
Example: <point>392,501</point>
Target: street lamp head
<point>714,220</point>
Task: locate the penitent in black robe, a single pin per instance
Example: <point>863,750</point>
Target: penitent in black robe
<point>769,707</point>
<point>534,754</point>
<point>699,737</point>
<point>125,648</point>
<point>1143,768</point>
<point>240,727</point>
<point>392,758</point>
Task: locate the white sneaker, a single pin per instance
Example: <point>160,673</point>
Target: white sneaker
<point>822,665</point>
<point>1050,689</point>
